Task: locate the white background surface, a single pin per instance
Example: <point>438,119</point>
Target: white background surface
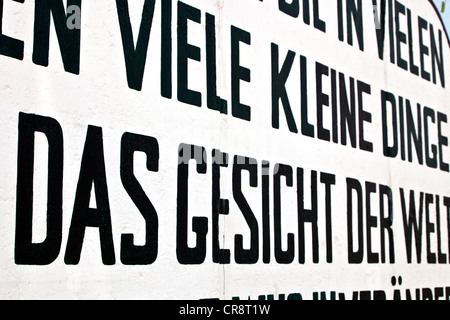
<point>100,96</point>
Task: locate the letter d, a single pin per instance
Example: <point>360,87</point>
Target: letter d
<point>26,252</point>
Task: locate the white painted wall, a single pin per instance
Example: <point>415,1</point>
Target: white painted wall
<point>99,96</point>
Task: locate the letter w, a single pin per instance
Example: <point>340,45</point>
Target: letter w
<point>412,223</point>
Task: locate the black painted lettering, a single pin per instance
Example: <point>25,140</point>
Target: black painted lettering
<point>322,100</point>
<point>246,256</point>
<point>307,128</point>
<point>427,294</point>
<point>306,13</point>
<point>437,58</point>
<point>391,31</point>
<point>447,206</point>
<point>401,120</point>
<point>69,39</point>
<point>412,67</point>
<point>328,180</point>
<point>412,223</point>
<point>355,17</point>
<point>282,256</point>
<point>438,293</point>
<point>319,24</point>
<point>219,206</point>
<point>348,111</point>
<point>187,52</point>
<point>340,11</point>
<point>443,141</point>
<point>354,186</point>
<point>214,102</point>
<point>135,56</point>
<point>430,228</point>
<point>307,216</point>
<point>442,257</point>
<point>292,9</point>
<point>334,107</point>
<point>27,252</point>
<point>390,151</point>
<point>131,254</point>
<point>431,161</point>
<point>166,49</point>
<point>266,211</point>
<point>279,79</point>
<point>371,222</point>
<point>92,173</point>
<point>364,116</point>
<point>186,255</point>
<point>414,134</point>
<point>381,28</point>
<point>400,36</point>
<point>238,73</point>
<point>10,47</point>
<point>424,50</point>
<point>386,222</point>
